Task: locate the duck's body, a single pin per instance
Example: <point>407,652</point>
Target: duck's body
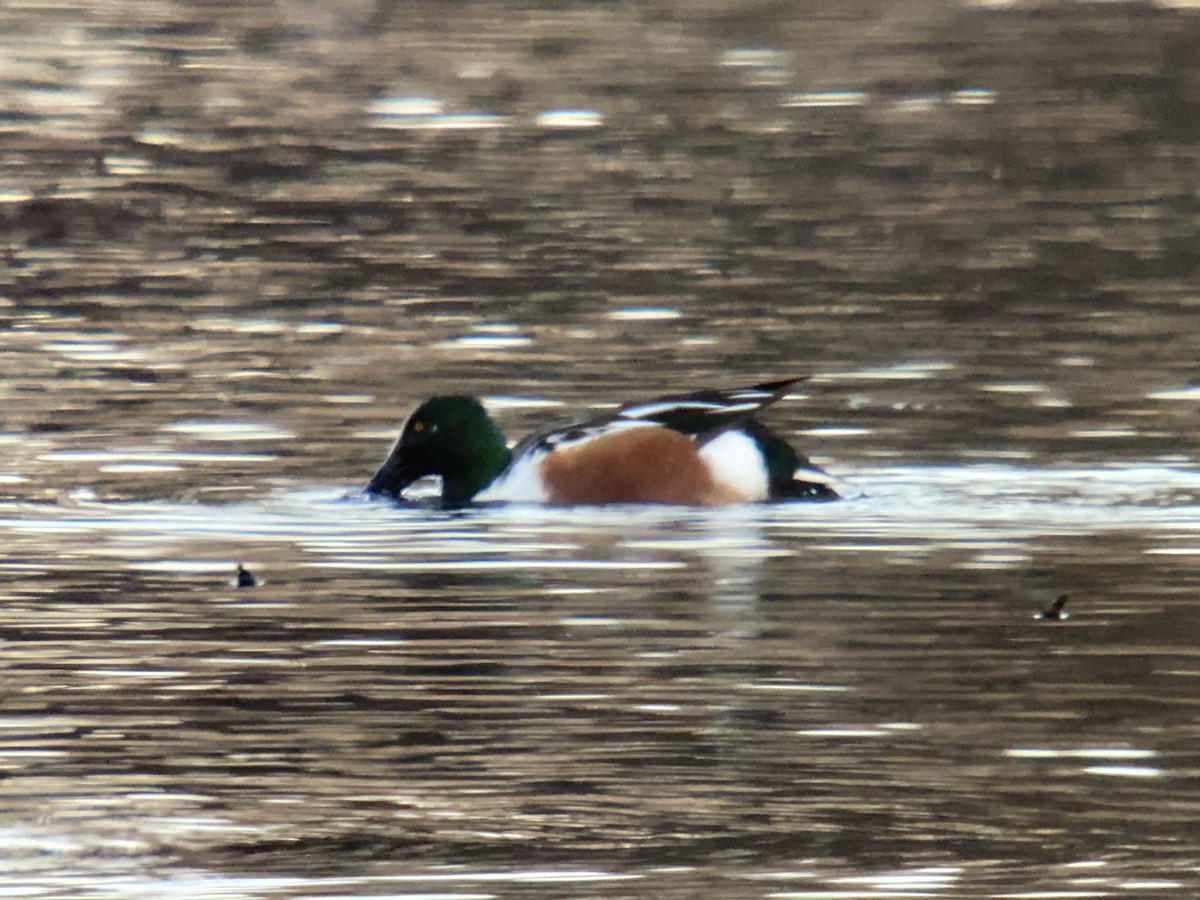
<point>700,449</point>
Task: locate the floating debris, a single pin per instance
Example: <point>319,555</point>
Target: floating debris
<point>1055,610</point>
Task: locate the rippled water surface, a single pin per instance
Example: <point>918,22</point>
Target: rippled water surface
<point>814,701</point>
<point>240,242</point>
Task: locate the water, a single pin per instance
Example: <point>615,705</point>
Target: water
<point>241,243</point>
<point>825,700</point>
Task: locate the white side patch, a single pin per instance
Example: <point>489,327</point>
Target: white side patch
<point>736,462</point>
<point>520,483</point>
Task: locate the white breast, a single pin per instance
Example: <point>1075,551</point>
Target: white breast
<point>520,483</point>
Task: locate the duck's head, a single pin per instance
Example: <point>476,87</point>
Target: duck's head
<point>448,436</point>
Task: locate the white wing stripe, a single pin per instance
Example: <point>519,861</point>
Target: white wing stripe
<point>651,409</point>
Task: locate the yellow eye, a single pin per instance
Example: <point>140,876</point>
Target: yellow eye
<point>418,426</point>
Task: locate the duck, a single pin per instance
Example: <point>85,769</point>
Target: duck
<point>698,449</point>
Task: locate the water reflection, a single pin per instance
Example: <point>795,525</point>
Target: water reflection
<point>651,686</point>
<point>973,508</point>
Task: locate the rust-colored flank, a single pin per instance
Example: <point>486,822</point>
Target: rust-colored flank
<point>646,464</point>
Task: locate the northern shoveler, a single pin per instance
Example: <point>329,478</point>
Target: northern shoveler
<point>701,449</point>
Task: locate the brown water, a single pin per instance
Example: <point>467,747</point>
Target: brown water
<point>242,241</point>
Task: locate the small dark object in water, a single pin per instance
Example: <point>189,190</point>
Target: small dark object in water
<point>245,578</point>
<point>1055,610</point>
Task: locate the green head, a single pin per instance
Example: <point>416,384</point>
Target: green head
<point>448,436</point>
